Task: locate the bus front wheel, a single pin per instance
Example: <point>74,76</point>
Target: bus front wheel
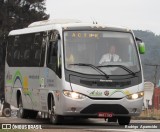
<point>54,118</point>
<point>124,120</point>
<point>23,113</point>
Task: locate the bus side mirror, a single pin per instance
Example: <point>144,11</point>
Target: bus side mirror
<point>141,46</point>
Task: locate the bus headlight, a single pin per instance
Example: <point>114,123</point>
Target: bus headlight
<point>135,95</point>
<point>73,95</point>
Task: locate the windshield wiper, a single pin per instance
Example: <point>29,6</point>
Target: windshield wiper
<point>121,66</point>
<point>92,66</point>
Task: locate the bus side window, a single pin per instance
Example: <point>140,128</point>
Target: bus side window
<point>16,41</point>
<point>17,55</point>
<point>27,54</point>
<point>37,55</point>
<point>38,39</point>
<point>54,57</point>
<point>38,50</point>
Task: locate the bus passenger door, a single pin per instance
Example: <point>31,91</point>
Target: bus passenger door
<point>54,64</point>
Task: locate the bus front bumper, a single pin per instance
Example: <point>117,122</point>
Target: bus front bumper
<point>91,107</point>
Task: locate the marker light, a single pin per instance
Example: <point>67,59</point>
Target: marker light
<point>73,95</point>
<point>135,95</point>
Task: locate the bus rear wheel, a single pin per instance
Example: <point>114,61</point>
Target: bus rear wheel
<point>124,120</point>
<point>54,118</point>
<point>22,113</point>
<point>7,112</point>
<point>33,114</point>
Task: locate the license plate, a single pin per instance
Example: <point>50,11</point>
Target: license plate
<point>105,114</point>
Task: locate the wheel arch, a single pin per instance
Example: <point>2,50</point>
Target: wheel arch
<point>50,95</point>
<point>18,96</point>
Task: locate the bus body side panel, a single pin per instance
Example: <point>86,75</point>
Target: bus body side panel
<point>50,83</point>
<point>13,83</point>
<point>27,81</point>
<point>43,89</point>
<point>31,83</point>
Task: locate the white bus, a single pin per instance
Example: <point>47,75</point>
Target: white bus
<point>61,67</point>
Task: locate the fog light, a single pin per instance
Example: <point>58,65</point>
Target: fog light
<point>134,110</point>
<point>73,109</point>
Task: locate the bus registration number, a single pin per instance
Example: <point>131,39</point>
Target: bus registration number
<point>105,114</point>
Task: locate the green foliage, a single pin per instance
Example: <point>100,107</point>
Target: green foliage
<point>20,13</point>
<point>15,14</point>
<point>152,54</point>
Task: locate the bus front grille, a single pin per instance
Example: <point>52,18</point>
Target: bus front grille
<point>105,84</point>
<point>95,108</point>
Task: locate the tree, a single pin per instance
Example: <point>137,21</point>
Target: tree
<point>15,14</point>
<point>20,13</point>
<point>151,57</point>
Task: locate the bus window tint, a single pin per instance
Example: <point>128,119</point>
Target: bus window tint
<point>16,40</point>
<point>54,53</point>
<point>26,50</point>
<point>93,47</point>
<point>52,56</point>
<point>38,39</point>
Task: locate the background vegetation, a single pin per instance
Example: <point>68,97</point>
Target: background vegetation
<point>15,14</point>
<point>152,55</point>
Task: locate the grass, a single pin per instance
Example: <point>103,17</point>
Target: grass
<point>151,114</point>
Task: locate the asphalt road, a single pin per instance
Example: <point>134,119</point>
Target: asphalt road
<point>88,125</point>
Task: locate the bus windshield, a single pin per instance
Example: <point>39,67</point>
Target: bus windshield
<point>110,51</point>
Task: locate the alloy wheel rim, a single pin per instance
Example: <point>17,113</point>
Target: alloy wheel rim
<point>20,109</point>
<point>53,113</point>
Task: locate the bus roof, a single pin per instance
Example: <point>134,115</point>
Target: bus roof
<point>66,24</point>
<point>55,21</point>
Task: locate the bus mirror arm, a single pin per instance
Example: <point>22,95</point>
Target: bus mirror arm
<point>57,37</point>
<point>138,40</point>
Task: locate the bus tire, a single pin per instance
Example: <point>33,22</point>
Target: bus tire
<point>124,120</point>
<point>7,112</point>
<point>22,113</point>
<point>33,114</point>
<point>54,118</point>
